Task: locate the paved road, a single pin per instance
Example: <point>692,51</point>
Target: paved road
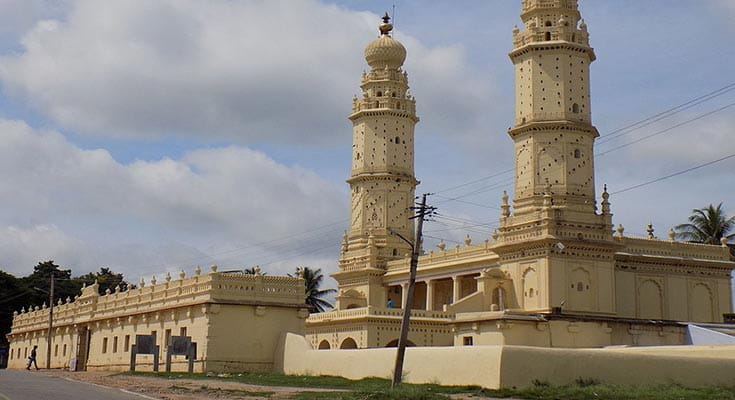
<point>33,385</point>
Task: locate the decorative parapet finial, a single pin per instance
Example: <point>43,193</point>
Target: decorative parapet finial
<point>117,289</point>
<point>257,271</point>
<point>496,235</point>
<point>142,282</point>
<point>467,240</point>
<point>153,280</point>
<point>182,274</point>
<point>345,243</point>
<point>168,277</point>
<point>672,234</point>
<point>213,269</point>
<point>197,271</point>
<point>605,201</point>
<point>650,231</point>
<point>505,207</point>
<point>620,230</point>
<point>723,240</point>
<point>300,272</point>
<point>441,245</point>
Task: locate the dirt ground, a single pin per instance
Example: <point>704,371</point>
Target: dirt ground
<point>184,389</point>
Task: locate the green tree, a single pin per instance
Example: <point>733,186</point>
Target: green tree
<point>12,298</point>
<point>105,278</point>
<point>253,271</point>
<point>706,225</point>
<point>314,295</point>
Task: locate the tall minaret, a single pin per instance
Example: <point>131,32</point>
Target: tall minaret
<point>382,179</point>
<point>553,133</point>
<point>556,246</point>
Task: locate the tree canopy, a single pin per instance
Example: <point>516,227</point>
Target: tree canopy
<point>706,225</point>
<point>33,290</point>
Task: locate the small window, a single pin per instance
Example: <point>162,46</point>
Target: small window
<point>56,350</point>
<point>548,23</point>
<point>398,140</point>
<point>63,352</point>
<point>126,344</point>
<point>530,292</point>
<point>114,344</point>
<point>182,331</point>
<point>104,345</point>
<point>395,252</point>
<point>168,338</point>
<point>580,286</point>
<point>380,94</point>
<point>548,36</point>
<point>467,340</point>
<point>575,108</point>
<point>577,153</point>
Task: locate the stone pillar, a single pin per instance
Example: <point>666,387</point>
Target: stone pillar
<point>404,294</point>
<point>430,295</point>
<point>456,289</point>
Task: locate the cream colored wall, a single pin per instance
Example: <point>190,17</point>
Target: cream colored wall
<point>244,337</point>
<point>422,365</point>
<point>491,329</point>
<point>517,366</point>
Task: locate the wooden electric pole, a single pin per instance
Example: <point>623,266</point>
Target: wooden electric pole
<point>422,211</point>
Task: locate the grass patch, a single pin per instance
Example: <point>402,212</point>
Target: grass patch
<point>379,389</point>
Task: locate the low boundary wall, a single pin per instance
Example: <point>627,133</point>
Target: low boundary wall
<point>516,366</point>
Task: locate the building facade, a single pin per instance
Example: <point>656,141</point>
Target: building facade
<point>235,319</point>
<point>557,273</point>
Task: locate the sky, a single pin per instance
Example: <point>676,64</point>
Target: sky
<point>157,135</point>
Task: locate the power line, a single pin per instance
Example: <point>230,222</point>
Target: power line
<point>666,114</point>
<point>666,130</point>
<point>674,174</point>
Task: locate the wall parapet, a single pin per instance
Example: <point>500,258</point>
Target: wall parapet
<point>670,248</point>
<point>200,288</point>
<point>370,311</point>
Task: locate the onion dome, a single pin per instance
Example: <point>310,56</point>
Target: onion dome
<point>385,52</point>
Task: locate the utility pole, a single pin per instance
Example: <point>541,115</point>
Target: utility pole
<point>50,322</point>
<point>422,211</point>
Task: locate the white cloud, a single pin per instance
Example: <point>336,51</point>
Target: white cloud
<point>83,208</point>
<point>272,71</point>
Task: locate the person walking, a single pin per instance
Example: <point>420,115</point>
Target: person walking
<point>32,359</point>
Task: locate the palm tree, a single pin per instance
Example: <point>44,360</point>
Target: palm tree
<point>314,297</point>
<point>253,271</point>
<point>706,225</point>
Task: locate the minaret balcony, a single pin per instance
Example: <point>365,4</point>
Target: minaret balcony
<point>530,5</point>
<point>554,116</point>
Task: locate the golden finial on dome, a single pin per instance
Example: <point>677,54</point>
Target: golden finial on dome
<point>386,26</point>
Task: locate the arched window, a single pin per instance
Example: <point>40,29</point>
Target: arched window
<point>348,343</point>
<point>548,36</point>
<point>575,108</point>
<point>548,23</point>
<point>395,252</point>
<point>380,94</point>
<point>324,345</point>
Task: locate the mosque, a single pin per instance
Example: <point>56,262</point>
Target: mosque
<point>557,272</point>
<point>558,292</point>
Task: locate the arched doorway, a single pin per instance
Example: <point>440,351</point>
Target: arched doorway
<point>324,345</point>
<point>348,343</point>
<point>394,343</point>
